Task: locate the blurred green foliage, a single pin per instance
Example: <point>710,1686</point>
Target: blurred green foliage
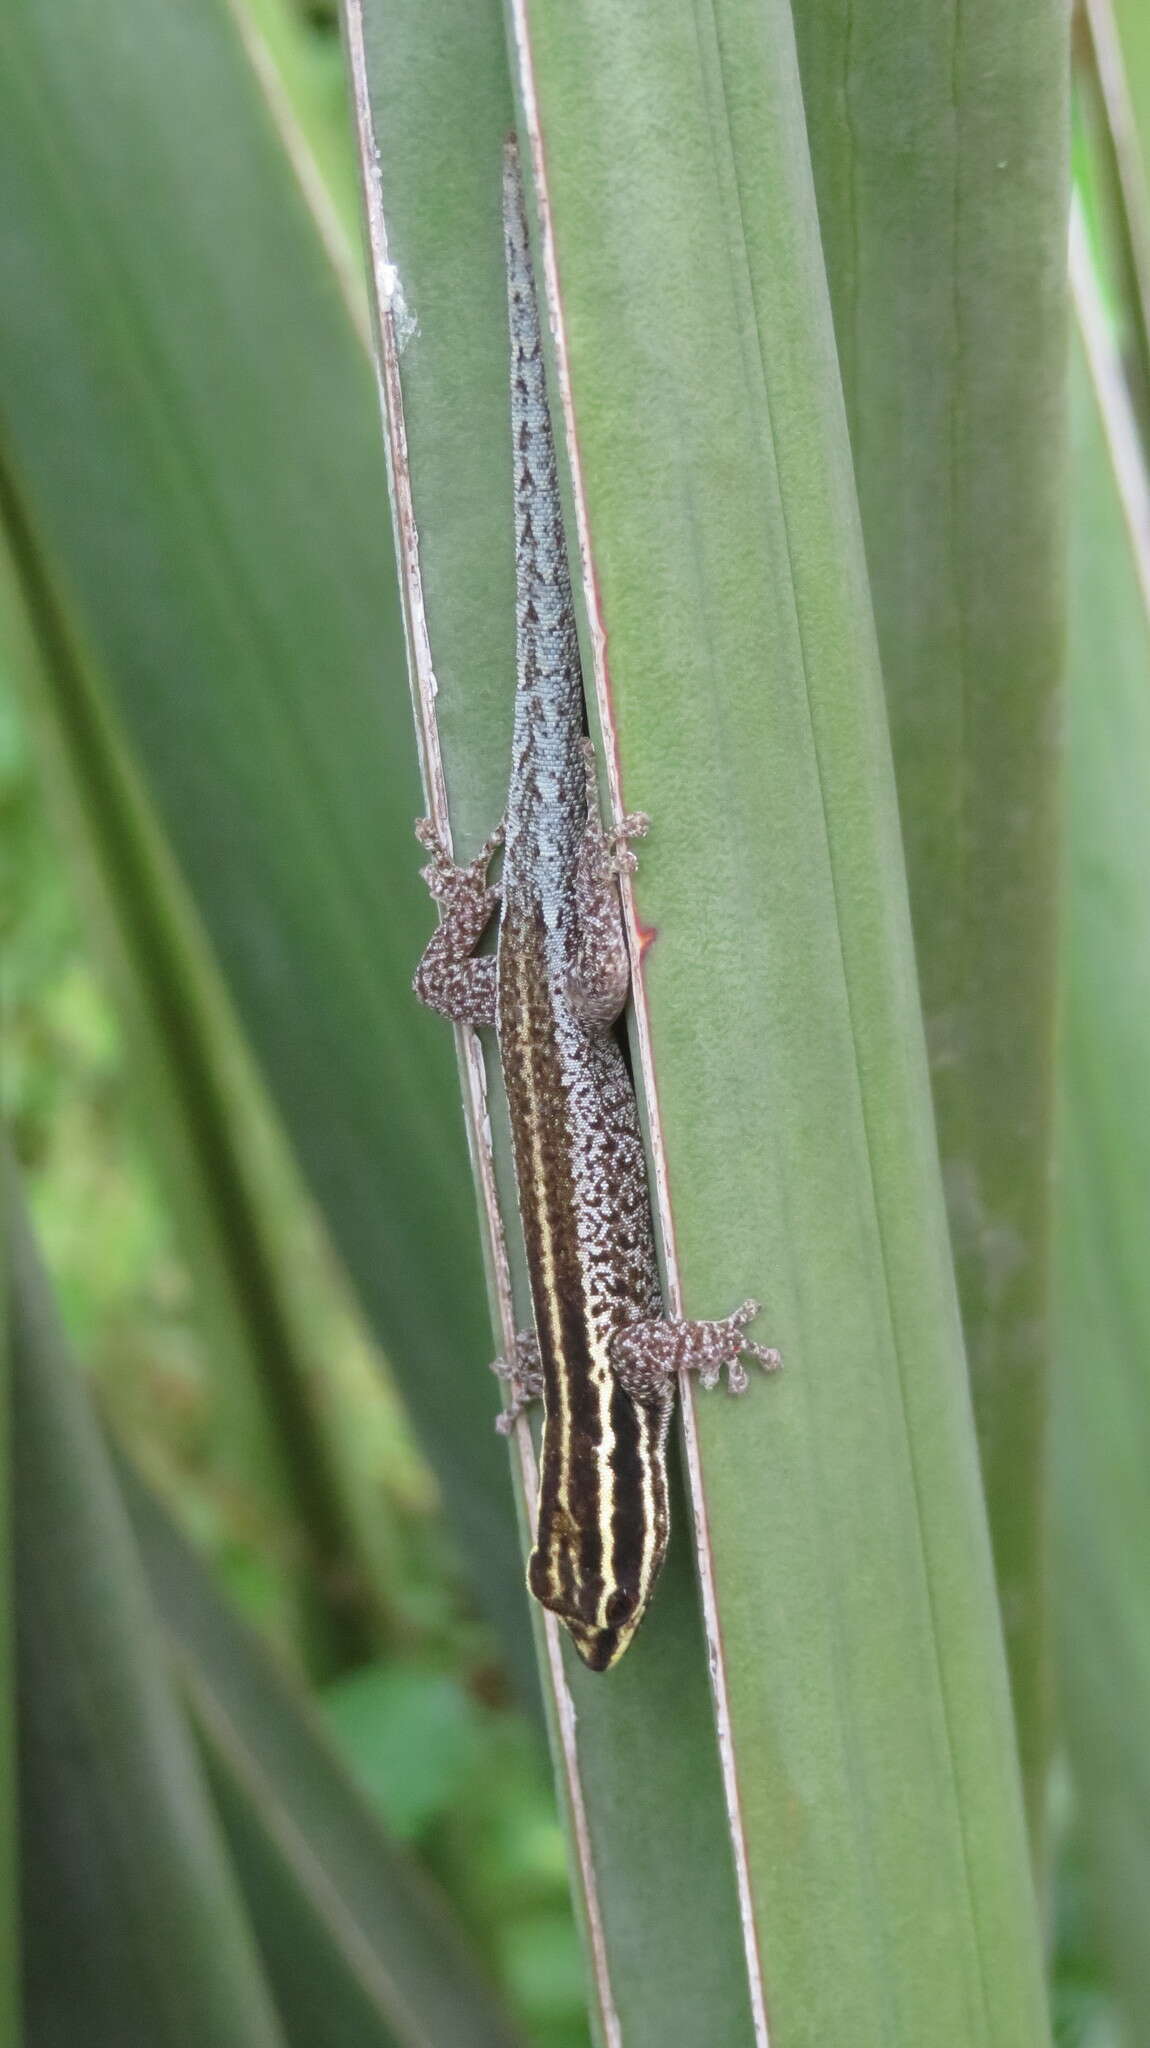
<point>1083,2011</point>
<point>453,1767</point>
<point>473,1796</point>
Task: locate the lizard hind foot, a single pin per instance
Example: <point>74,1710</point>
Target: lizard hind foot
<point>635,825</point>
<point>647,1356</point>
<point>615,839</point>
<point>722,1346</point>
<point>440,868</point>
<point>522,1375</point>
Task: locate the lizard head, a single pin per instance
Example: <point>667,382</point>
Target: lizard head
<point>600,1628</point>
<point>600,1648</point>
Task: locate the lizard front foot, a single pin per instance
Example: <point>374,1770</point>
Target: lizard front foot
<point>647,1356</point>
<point>523,1378</point>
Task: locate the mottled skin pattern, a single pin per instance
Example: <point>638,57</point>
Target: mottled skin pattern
<point>603,1355</point>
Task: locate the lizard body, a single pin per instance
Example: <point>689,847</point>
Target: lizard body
<point>603,1355</point>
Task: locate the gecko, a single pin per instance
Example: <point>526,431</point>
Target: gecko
<point>603,1354</point>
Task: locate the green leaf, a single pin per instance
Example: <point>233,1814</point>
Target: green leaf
<point>277,1448</point>
<point>301,70</point>
<point>411,1736</point>
<point>1102,1412</point>
<point>1133,43</point>
<point>133,1929</point>
<point>358,1946</point>
<point>9,1790</point>
<point>1112,94</point>
<point>658,1895</point>
<point>939,143</point>
<point>850,1609</point>
<point>188,439</point>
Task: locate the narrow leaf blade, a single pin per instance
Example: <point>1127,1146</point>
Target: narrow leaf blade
<point>133,1929</point>
<point>939,147</point>
<point>1102,1411</point>
<point>357,1946</point>
<point>651,1860</point>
